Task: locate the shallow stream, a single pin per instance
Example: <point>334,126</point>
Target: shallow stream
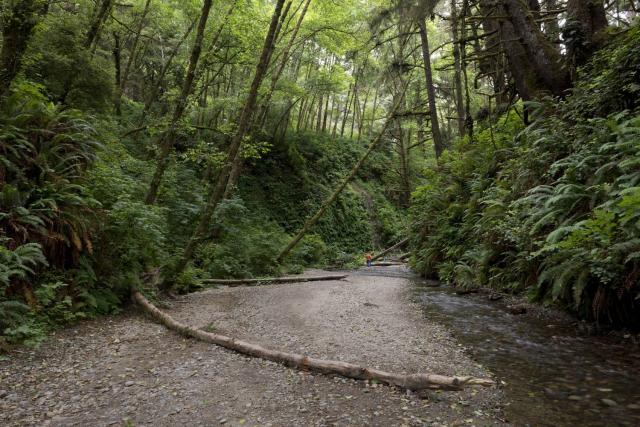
<point>551,375</point>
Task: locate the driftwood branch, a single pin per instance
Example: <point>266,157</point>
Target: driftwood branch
<point>265,281</point>
<point>349,370</point>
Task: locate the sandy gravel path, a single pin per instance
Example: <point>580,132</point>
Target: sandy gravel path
<point>127,370</point>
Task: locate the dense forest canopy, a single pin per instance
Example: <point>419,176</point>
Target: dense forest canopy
<point>153,143</point>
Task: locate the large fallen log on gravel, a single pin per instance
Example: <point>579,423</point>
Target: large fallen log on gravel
<point>349,370</point>
<point>386,251</point>
<point>269,280</point>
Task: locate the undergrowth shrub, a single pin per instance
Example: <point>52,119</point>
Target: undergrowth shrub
<point>552,209</point>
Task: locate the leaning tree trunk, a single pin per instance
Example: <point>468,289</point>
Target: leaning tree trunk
<point>98,21</point>
<point>17,27</point>
<point>285,55</point>
<point>431,91</point>
<point>168,139</point>
<point>334,367</point>
<point>334,195</point>
<point>228,173</point>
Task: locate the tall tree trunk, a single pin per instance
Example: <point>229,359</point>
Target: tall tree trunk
<point>168,139</point>
<point>230,171</point>
<point>98,20</point>
<point>320,110</point>
<point>335,117</point>
<point>303,105</point>
<point>326,114</point>
<point>134,46</point>
<point>362,114</point>
<point>286,53</point>
<point>535,64</point>
<point>431,91</point>
<point>355,97</point>
<point>356,109</point>
<point>552,27</point>
<point>309,114</point>
<point>17,27</point>
<point>403,154</point>
<point>494,63</point>
<point>116,62</point>
<point>338,190</point>
<point>346,110</point>
<point>585,21</point>
<point>373,113</point>
<point>419,119</point>
<point>457,79</point>
<point>468,121</point>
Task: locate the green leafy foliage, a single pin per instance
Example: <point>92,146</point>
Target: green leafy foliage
<point>552,209</point>
<point>70,73</point>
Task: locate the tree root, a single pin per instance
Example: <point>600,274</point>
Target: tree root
<point>266,281</point>
<point>349,370</point>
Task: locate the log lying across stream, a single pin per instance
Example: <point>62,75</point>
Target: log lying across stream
<point>269,280</point>
<point>349,370</point>
<point>386,251</point>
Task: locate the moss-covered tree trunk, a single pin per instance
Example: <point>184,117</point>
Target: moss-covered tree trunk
<point>535,64</point>
<point>438,143</point>
<point>585,21</point>
<point>17,25</point>
<point>457,78</point>
<point>99,18</point>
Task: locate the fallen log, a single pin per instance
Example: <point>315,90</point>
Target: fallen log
<point>349,370</point>
<point>386,251</point>
<point>270,280</point>
<point>386,263</point>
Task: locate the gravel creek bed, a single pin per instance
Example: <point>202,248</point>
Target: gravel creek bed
<point>128,370</point>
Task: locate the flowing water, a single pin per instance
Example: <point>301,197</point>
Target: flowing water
<point>551,375</point>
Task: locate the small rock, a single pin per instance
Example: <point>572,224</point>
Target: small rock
<point>129,383</point>
<point>574,397</point>
<point>3,394</point>
<point>517,309</point>
<point>609,402</point>
<point>223,421</point>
